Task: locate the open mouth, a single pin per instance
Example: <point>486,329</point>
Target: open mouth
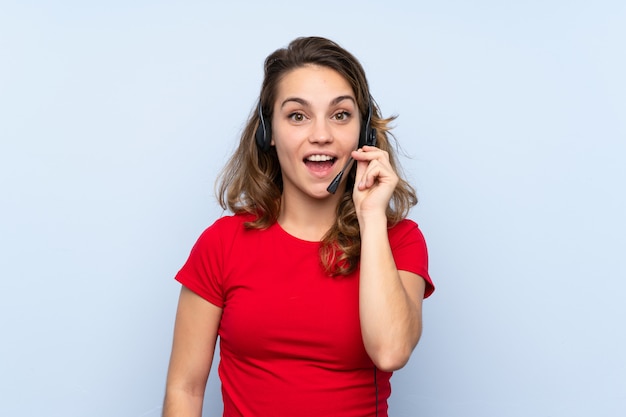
<point>320,162</point>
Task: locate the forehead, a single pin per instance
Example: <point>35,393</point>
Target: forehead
<point>313,83</point>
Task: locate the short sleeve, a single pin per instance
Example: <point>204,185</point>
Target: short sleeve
<point>202,272</point>
<point>410,252</point>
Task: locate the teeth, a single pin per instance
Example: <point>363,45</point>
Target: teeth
<point>319,158</point>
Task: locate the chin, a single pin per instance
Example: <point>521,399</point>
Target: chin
<point>318,192</point>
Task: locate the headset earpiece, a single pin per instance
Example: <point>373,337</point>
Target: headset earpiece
<point>263,133</point>
<point>368,135</point>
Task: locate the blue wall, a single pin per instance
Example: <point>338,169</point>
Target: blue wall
<point>115,119</point>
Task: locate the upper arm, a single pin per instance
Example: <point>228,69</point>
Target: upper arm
<point>195,334</point>
<point>415,286</point>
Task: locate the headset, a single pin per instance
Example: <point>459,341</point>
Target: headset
<point>368,134</point>
<point>263,134</point>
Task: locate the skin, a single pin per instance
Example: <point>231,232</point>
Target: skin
<point>315,113</point>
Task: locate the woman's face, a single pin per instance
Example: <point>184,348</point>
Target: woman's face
<point>315,127</point>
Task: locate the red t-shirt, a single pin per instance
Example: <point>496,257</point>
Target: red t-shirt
<point>290,336</point>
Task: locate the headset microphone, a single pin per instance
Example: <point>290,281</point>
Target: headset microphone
<point>332,188</point>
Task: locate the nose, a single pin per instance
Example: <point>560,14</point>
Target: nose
<point>321,131</point>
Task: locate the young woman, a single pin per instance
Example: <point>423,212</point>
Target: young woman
<point>316,294</point>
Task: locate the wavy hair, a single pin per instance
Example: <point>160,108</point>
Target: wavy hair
<point>251,181</point>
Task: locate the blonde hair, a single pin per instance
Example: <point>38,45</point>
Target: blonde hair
<point>251,181</point>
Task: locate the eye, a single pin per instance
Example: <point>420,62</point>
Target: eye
<point>296,117</point>
<point>342,116</point>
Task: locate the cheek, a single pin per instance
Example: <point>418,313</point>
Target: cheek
<point>352,137</point>
<point>284,138</point>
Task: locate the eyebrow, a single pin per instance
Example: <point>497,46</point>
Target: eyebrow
<point>303,102</point>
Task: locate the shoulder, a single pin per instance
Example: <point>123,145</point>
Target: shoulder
<point>410,252</point>
<point>405,229</point>
<point>229,230</point>
<point>222,229</point>
<point>235,220</point>
<point>405,236</point>
<point>231,223</point>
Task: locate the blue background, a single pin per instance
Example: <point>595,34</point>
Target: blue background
<point>116,116</point>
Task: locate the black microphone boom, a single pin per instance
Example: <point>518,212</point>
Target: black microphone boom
<point>332,188</point>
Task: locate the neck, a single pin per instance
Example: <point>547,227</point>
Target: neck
<point>308,219</point>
